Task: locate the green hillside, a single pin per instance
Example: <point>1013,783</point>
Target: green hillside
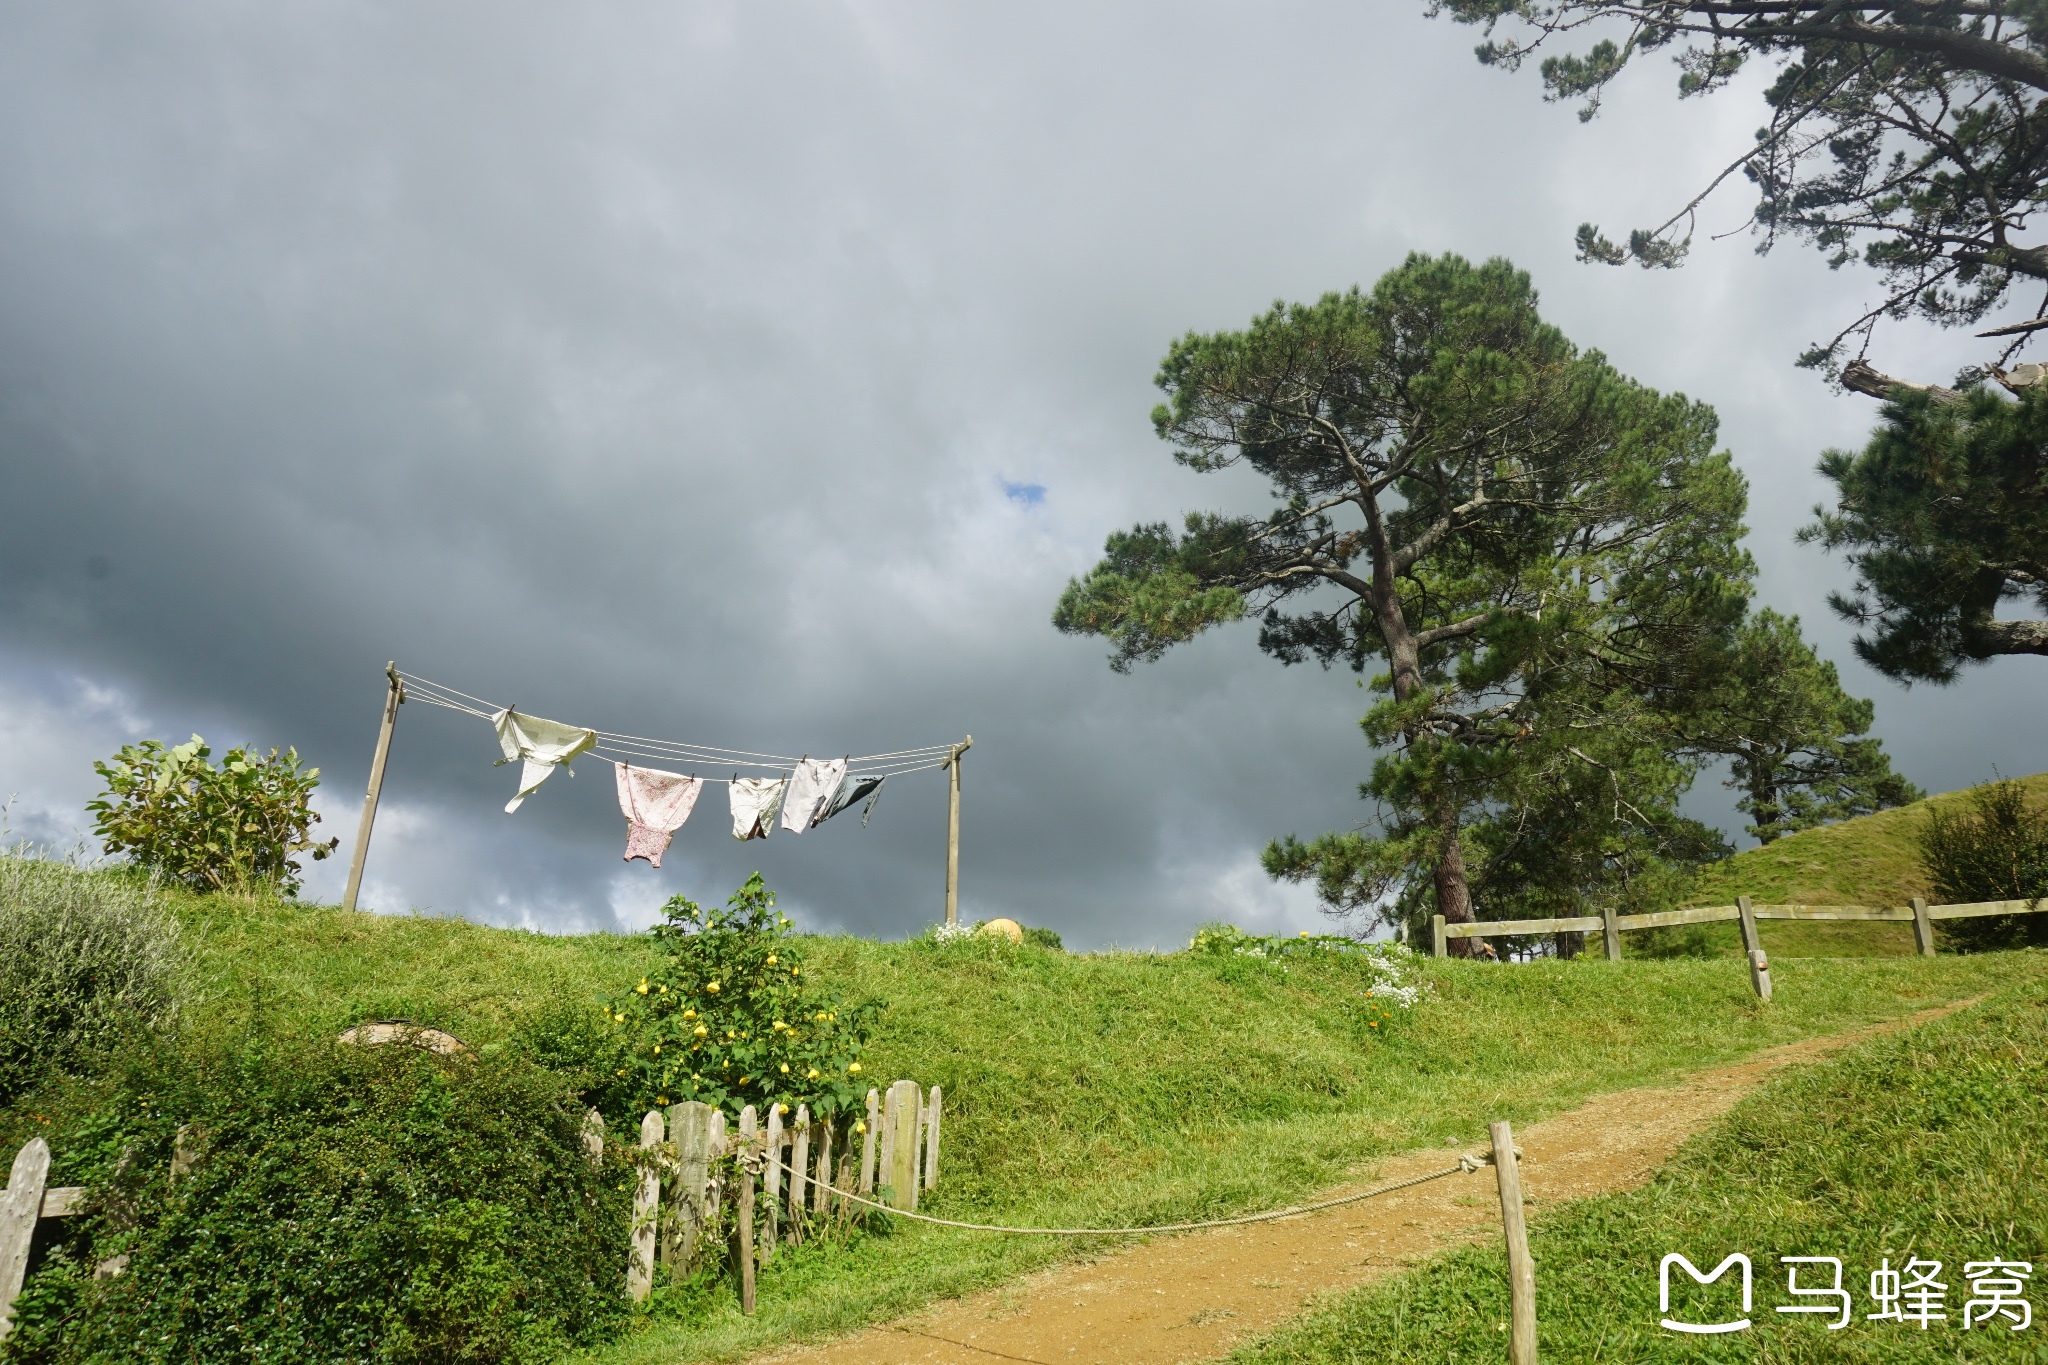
<point>1104,1089</point>
<point>1915,1144</point>
<point>1871,860</point>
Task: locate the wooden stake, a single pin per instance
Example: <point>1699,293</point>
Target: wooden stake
<point>1610,931</point>
<point>394,697</point>
<point>953,829</point>
<point>646,1212</point>
<point>867,1143</point>
<point>1441,946</point>
<point>749,1158</point>
<point>900,1144</point>
<point>1923,927</point>
<point>771,1184</point>
<point>1747,916</point>
<point>20,1206</point>
<point>1521,1269</point>
<point>931,1140</point>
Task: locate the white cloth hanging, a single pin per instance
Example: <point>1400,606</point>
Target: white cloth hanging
<point>754,800</point>
<point>814,783</point>
<point>543,746</point>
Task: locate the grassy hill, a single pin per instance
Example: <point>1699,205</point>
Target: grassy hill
<point>1871,860</point>
<point>1104,1089</point>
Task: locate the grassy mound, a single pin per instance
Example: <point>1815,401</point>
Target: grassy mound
<point>1109,1088</point>
<point>1925,1144</point>
<point>1871,860</point>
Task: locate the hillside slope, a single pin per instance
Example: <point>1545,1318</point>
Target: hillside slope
<point>1871,860</point>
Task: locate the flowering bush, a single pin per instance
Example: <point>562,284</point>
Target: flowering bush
<point>729,1018</point>
<point>1389,963</point>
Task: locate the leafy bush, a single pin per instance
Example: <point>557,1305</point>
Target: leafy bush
<point>237,827</point>
<point>1041,937</point>
<point>345,1204</point>
<point>729,1018</point>
<point>83,956</point>
<point>1995,848</point>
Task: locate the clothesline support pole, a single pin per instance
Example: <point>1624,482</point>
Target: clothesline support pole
<point>394,696</point>
<point>953,829</point>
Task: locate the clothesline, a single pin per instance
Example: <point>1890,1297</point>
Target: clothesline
<point>618,748</point>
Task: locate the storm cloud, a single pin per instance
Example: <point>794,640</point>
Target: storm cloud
<point>756,375</point>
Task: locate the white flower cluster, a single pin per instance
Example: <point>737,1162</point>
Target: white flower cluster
<point>1389,963</point>
<point>951,933</point>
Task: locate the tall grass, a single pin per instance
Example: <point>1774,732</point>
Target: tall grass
<point>83,957</point>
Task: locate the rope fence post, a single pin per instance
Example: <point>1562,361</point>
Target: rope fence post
<point>1521,1269</point>
<point>952,766</point>
<point>394,697</point>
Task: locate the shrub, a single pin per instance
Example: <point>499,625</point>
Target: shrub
<point>1042,937</point>
<point>83,956</point>
<point>729,1018</point>
<point>1994,848</point>
<point>237,827</point>
<point>345,1204</point>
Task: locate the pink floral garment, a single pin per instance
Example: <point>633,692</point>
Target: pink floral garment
<point>655,805</point>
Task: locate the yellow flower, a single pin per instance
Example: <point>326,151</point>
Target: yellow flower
<point>689,1014</point>
<point>700,1030</point>
<point>812,1073</point>
<point>785,1068</point>
<point>779,1025</point>
<point>657,1049</point>
<point>771,959</point>
<point>661,1099</point>
<point>642,987</point>
<point>854,1069</point>
<point>622,1071</point>
<point>712,987</point>
<point>796,971</point>
<point>743,1080</point>
<point>782,1109</point>
<point>860,1127</point>
<point>664,990</point>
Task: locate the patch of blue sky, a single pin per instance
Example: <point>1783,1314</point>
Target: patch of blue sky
<point>1024,494</point>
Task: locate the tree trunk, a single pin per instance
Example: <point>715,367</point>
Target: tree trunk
<point>1453,891</point>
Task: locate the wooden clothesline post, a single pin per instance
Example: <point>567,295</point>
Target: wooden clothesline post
<point>952,766</point>
<point>394,697</point>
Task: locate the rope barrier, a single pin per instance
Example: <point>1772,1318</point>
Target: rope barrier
<point>1465,1164</point>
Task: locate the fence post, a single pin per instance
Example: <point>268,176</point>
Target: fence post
<point>867,1143</point>
<point>901,1141</point>
<point>689,1130</point>
<point>771,1184</point>
<point>799,1164</point>
<point>19,1208</point>
<point>750,1160</point>
<point>1750,941</point>
<point>711,1192</point>
<point>646,1211</point>
<point>1760,975</point>
<point>1521,1269</point>
<point>1442,948</point>
<point>1610,931</point>
<point>931,1140</point>
<point>1923,927</point>
<point>593,1136</point>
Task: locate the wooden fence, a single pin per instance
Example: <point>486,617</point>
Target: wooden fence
<point>781,1172</point>
<point>1612,926</point>
<point>800,1166</point>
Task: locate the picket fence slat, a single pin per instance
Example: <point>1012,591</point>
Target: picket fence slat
<point>867,1143</point>
<point>646,1212</point>
<point>19,1208</point>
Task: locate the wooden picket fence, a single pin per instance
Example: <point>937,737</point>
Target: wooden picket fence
<point>797,1168</point>
<point>801,1167</point>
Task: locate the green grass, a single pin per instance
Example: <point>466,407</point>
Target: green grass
<point>1871,860</point>
<point>1112,1088</point>
<point>1927,1143</point>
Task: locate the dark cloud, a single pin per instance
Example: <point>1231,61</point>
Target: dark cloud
<point>756,376</point>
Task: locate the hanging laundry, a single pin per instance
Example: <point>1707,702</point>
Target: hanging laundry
<point>544,745</point>
<point>655,805</point>
<point>815,781</point>
<point>754,802</point>
<point>852,788</point>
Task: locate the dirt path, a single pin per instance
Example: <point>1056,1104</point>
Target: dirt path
<point>1193,1297</point>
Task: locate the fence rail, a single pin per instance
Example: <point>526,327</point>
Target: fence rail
<point>1718,914</point>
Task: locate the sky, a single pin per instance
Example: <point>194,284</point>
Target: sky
<point>756,375</point>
